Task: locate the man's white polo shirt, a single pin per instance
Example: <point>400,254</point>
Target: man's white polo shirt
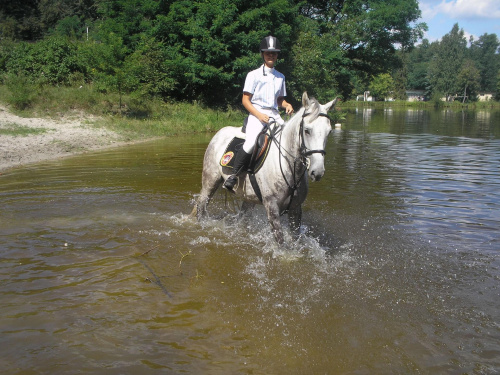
<point>266,86</point>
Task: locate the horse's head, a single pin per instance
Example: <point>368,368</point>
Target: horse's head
<point>315,130</point>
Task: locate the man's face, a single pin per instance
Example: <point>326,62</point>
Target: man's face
<point>270,58</point>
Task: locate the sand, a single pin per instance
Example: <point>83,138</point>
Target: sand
<point>62,137</point>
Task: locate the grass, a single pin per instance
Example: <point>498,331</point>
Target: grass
<point>19,130</point>
<point>132,116</point>
<point>172,119</point>
<point>140,117</point>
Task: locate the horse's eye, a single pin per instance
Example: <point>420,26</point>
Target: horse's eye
<point>308,132</point>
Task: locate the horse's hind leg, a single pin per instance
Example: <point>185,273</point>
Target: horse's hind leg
<point>210,183</point>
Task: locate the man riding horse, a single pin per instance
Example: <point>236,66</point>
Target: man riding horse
<point>296,151</point>
<point>263,93</point>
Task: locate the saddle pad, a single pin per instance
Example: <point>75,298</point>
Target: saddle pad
<point>232,149</point>
<point>260,153</point>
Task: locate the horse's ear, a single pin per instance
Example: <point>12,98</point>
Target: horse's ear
<point>330,105</point>
<point>305,100</point>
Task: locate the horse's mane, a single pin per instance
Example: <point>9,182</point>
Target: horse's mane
<point>312,114</point>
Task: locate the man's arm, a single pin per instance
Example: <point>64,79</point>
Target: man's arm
<point>284,104</point>
<point>247,103</point>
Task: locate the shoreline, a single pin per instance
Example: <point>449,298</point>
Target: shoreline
<point>52,139</point>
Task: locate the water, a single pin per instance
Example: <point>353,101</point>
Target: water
<point>102,270</point>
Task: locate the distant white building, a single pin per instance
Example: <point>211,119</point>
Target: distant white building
<point>485,96</point>
<point>366,97</point>
<point>415,95</point>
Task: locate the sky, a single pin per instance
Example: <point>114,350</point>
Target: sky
<point>475,17</point>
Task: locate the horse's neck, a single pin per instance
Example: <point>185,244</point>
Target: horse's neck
<point>291,133</point>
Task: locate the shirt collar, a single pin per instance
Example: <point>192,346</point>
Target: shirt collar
<point>267,70</point>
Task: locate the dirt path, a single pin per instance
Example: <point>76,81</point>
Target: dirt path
<point>55,139</point>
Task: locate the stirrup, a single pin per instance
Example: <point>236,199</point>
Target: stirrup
<point>230,182</point>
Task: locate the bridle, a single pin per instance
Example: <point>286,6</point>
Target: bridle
<point>303,149</point>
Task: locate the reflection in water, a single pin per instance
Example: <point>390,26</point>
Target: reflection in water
<point>103,272</point>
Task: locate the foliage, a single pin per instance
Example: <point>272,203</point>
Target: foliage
<point>356,40</point>
<point>318,69</point>
<point>447,62</point>
<point>469,79</point>
<point>179,50</point>
<point>185,50</point>
<point>498,86</point>
<point>484,53</point>
<point>441,67</point>
<point>213,44</point>
<point>50,61</point>
<point>418,64</point>
<point>381,86</point>
<point>151,70</point>
<point>21,91</point>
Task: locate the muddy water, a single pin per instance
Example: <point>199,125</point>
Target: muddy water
<point>102,271</point>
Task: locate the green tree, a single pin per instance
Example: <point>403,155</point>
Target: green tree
<point>216,42</point>
<point>102,60</point>
<point>484,53</point>
<point>418,64</point>
<point>20,20</point>
<point>469,80</point>
<point>70,27</point>
<point>498,87</point>
<point>35,19</point>
<point>202,50</point>
<point>360,37</point>
<point>127,19</point>
<point>320,70</point>
<point>400,76</point>
<point>381,86</point>
<point>151,70</point>
<point>447,62</point>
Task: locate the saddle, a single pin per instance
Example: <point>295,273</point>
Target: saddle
<point>260,151</point>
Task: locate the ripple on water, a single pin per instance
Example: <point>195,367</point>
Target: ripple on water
<point>396,269</point>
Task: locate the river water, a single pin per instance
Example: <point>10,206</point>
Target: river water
<point>397,272</point>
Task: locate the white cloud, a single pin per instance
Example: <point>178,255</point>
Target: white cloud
<point>463,9</point>
<point>475,17</point>
<point>428,11</point>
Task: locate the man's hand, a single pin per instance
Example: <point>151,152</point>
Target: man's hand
<point>263,118</point>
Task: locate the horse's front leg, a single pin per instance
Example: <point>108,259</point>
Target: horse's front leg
<point>295,218</point>
<point>273,215</point>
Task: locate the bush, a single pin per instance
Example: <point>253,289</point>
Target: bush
<point>51,61</point>
<point>22,92</point>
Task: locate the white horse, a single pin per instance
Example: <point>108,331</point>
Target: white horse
<point>298,149</point>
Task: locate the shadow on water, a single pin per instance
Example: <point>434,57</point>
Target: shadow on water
<point>396,271</point>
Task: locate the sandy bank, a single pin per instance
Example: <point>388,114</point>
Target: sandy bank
<point>63,137</point>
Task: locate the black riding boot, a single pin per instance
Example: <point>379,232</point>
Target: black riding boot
<point>240,163</point>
